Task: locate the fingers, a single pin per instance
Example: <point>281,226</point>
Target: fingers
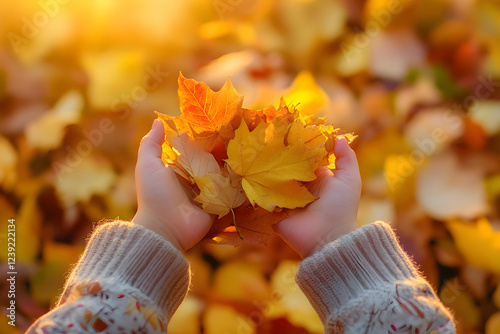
<point>157,132</point>
<point>322,173</point>
<point>151,143</point>
<point>346,164</point>
<point>345,156</point>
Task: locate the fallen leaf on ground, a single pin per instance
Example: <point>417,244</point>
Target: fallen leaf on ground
<point>478,242</point>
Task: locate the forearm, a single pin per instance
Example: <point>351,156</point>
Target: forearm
<point>365,283</point>
<point>128,275</point>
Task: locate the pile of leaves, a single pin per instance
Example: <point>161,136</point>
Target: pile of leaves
<point>251,163</point>
<point>418,81</point>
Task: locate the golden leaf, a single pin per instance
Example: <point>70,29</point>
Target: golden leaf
<point>217,195</point>
<point>271,170</point>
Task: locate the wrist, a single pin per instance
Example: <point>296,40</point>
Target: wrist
<point>149,221</point>
<point>335,232</point>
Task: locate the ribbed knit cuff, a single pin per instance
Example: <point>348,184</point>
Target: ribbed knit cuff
<point>128,255</point>
<point>369,258</point>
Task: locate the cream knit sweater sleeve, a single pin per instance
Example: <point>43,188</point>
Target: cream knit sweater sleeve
<point>365,283</point>
<point>128,280</point>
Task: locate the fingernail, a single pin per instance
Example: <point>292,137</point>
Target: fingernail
<point>155,123</point>
<point>342,138</point>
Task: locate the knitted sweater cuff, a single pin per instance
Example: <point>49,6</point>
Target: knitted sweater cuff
<point>124,255</point>
<point>369,258</point>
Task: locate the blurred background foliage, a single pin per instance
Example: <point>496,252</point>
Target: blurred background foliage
<point>418,81</point>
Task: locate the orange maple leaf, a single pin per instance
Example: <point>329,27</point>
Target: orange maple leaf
<point>206,110</point>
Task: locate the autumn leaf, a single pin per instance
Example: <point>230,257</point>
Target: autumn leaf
<point>251,117</point>
<point>252,163</point>
<point>291,301</point>
<point>426,85</point>
<point>175,126</point>
<point>310,135</point>
<point>254,224</point>
<point>270,113</point>
<point>191,158</point>
<point>315,133</point>
<point>271,171</point>
<point>478,242</point>
<point>48,132</point>
<point>204,109</point>
<point>217,195</point>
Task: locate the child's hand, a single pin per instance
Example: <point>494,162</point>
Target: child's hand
<point>334,213</point>
<point>163,205</point>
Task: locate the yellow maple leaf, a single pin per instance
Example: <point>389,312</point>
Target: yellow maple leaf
<point>217,195</point>
<point>172,127</point>
<point>270,170</point>
<point>310,135</point>
<point>315,136</point>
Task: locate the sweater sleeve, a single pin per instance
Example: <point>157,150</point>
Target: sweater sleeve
<point>365,283</point>
<point>128,280</point>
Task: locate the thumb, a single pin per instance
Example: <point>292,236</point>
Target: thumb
<point>346,164</point>
<point>150,147</point>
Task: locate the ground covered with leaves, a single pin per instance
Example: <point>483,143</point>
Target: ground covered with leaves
<point>417,81</point>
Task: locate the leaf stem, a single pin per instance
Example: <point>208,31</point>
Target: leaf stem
<point>236,226</point>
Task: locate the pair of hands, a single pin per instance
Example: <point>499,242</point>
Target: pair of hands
<point>164,207</point>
